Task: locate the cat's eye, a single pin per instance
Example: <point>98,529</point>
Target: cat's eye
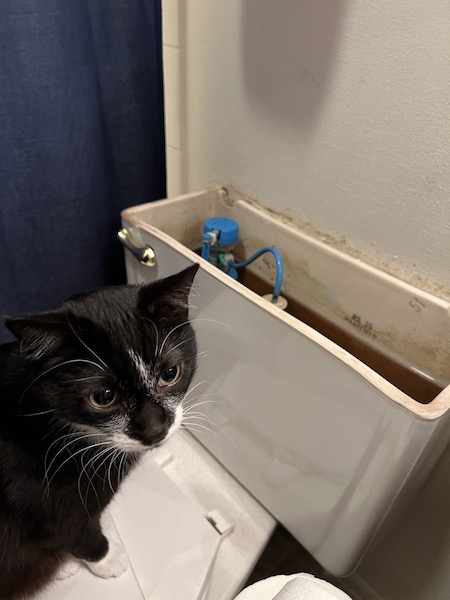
<point>103,399</point>
<point>170,376</point>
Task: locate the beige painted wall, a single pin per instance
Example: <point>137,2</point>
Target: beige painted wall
<point>335,112</point>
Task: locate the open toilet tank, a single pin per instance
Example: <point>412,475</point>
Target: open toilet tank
<point>330,445</point>
<point>326,443</point>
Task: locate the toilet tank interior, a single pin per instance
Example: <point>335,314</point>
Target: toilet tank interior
<point>400,331</point>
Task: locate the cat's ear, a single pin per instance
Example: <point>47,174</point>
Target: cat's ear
<point>168,298</point>
<point>40,334</point>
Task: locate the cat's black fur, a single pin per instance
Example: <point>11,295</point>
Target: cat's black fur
<point>61,457</point>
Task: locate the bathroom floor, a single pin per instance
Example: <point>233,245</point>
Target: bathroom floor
<point>283,555</point>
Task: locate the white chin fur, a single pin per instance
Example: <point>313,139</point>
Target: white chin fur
<point>118,439</point>
<point>126,444</point>
<point>177,421</point>
<point>123,442</point>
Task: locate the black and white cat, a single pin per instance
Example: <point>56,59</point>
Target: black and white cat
<point>84,392</point>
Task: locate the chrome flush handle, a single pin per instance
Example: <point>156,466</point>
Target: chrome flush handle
<point>144,254</point>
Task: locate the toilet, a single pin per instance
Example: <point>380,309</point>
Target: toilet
<point>189,529</point>
<point>297,429</point>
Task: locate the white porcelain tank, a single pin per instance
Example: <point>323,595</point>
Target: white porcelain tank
<point>328,445</point>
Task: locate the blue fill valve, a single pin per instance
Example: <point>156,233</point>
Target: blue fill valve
<point>220,235</point>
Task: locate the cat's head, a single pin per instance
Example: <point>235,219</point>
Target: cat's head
<point>116,362</point>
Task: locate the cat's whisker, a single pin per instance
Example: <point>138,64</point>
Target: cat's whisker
<point>62,364</point>
<point>204,353</point>
<point>198,320</point>
<point>120,475</point>
<point>190,411</point>
<point>179,344</point>
<point>79,484</point>
<point>189,421</point>
<point>44,412</point>
<point>84,379</point>
<point>114,457</point>
<point>192,414</point>
<point>109,451</point>
<point>194,388</point>
<point>189,404</point>
<point>65,447</point>
<point>121,466</point>
<point>59,439</point>
<point>97,445</point>
<point>197,415</point>
<point>220,438</point>
<point>85,345</point>
<point>192,406</point>
<point>111,454</point>
<point>193,419</point>
<point>70,434</point>
<point>96,457</point>
<point>170,333</point>
<point>56,424</point>
<point>210,321</point>
<point>157,334</point>
<point>185,432</point>
<point>47,468</point>
<point>199,425</point>
<point>90,483</point>
<point>198,428</point>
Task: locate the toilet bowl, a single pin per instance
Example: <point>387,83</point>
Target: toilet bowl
<point>190,531</point>
<point>178,546</point>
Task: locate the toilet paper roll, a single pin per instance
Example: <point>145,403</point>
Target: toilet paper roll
<point>302,586</point>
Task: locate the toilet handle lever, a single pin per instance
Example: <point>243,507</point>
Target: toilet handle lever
<point>144,254</point>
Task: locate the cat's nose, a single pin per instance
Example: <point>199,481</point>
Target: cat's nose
<point>157,424</point>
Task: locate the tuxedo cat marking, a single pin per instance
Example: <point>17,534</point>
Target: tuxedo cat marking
<point>85,390</point>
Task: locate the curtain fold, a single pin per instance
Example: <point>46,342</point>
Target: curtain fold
<point>81,138</point>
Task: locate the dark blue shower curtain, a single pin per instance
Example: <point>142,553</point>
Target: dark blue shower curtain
<point>81,137</point>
